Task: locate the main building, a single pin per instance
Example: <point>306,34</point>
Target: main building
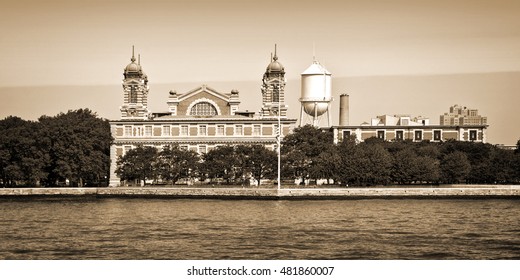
<point>199,119</point>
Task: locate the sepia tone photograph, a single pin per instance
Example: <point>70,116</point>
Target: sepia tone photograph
<point>260,130</point>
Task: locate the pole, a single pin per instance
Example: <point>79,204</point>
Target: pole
<point>279,139</point>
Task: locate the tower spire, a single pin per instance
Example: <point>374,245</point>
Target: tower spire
<point>275,57</point>
<point>139,59</point>
<point>133,57</point>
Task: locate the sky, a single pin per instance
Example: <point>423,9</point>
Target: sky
<point>378,51</point>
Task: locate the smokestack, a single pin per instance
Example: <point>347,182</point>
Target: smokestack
<point>343,109</point>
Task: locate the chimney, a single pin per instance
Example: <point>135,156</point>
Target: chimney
<point>343,110</point>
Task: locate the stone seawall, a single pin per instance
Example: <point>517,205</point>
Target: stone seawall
<point>510,191</point>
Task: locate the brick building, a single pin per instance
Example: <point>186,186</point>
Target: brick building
<point>200,119</point>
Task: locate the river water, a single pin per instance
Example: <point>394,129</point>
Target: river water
<point>118,228</point>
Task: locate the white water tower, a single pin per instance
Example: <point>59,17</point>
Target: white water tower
<point>316,93</point>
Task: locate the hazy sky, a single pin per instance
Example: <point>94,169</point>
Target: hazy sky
<point>89,42</point>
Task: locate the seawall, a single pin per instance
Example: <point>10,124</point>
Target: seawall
<point>492,191</point>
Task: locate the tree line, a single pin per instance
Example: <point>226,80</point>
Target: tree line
<point>239,164</point>
<point>308,154</point>
<point>72,147</point>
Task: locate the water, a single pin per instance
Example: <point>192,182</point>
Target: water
<point>248,229</point>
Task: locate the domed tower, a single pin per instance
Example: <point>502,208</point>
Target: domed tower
<point>273,86</point>
<point>135,91</point>
<point>316,93</point>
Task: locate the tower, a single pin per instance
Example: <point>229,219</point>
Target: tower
<point>316,93</point>
<point>135,91</point>
<point>273,87</point>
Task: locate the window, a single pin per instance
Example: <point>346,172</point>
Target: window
<point>257,131</point>
<point>220,130</point>
<point>437,135</point>
<point>203,109</point>
<point>203,131</point>
<point>346,134</point>
<point>133,94</point>
<point>381,134</point>
<point>239,130</point>
<point>183,147</point>
<point>276,93</point>
<point>472,135</point>
<point>202,149</point>
<point>126,149</point>
<point>128,130</point>
<point>399,135</point>
<point>184,130</point>
<point>166,130</point>
<point>148,130</point>
<point>418,135</point>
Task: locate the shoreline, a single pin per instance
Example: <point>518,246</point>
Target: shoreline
<point>461,191</point>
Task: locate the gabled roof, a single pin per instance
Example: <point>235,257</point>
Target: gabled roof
<point>204,88</point>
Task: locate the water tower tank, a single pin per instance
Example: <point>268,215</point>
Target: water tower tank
<point>316,90</point>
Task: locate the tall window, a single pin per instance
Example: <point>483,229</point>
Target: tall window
<point>381,134</point>
<point>276,93</point>
<point>239,130</point>
<point>472,135</point>
<point>148,130</point>
<point>202,149</point>
<point>166,130</point>
<point>184,130</point>
<point>203,131</point>
<point>133,94</point>
<point>257,130</point>
<point>128,130</point>
<point>418,135</point>
<point>220,130</point>
<point>203,109</point>
<point>437,135</point>
<point>399,135</point>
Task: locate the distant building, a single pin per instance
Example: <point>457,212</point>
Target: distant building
<point>460,115</point>
<point>198,120</point>
<point>404,127</point>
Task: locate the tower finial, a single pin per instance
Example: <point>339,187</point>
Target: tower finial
<point>275,57</point>
<point>139,59</point>
<point>133,57</point>
<point>271,57</point>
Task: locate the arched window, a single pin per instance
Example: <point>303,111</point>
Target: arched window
<point>203,109</point>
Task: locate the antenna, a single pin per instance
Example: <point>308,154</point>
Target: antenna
<point>313,51</point>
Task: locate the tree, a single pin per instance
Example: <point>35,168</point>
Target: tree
<point>78,145</point>
<point>22,157</point>
<point>219,163</point>
<point>408,167</point>
<point>455,167</point>
<point>139,163</point>
<point>302,148</point>
<point>259,161</point>
<point>176,163</point>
